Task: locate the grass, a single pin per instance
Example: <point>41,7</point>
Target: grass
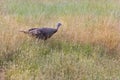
<point>86,47</point>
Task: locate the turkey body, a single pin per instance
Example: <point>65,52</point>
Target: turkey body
<point>44,33</point>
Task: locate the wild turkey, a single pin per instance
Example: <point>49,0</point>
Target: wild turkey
<point>42,33</point>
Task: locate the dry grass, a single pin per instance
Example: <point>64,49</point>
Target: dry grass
<point>94,30</point>
<point>82,29</point>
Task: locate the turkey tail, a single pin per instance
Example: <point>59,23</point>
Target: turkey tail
<point>26,32</point>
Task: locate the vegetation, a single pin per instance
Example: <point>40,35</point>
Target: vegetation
<point>86,47</point>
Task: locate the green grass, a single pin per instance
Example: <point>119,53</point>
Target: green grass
<point>85,48</point>
<point>32,8</point>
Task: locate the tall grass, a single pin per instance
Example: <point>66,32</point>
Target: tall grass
<point>86,47</point>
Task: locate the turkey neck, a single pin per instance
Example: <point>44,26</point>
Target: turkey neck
<point>57,27</point>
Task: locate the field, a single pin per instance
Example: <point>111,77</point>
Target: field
<point>86,47</point>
